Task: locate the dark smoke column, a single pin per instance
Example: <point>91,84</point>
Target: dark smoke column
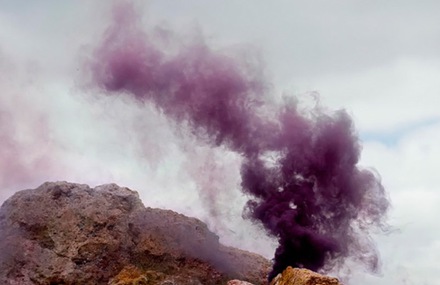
<point>301,169</point>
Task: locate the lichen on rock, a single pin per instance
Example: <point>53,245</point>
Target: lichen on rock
<point>131,275</point>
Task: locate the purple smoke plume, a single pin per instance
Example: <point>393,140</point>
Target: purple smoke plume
<point>301,169</point>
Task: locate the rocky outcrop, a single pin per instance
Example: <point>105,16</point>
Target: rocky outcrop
<point>64,233</point>
<point>300,276</point>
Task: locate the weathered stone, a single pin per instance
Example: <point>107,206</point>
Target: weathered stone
<point>300,276</point>
<point>64,233</point>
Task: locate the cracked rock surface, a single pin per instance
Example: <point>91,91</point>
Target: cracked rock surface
<point>65,233</point>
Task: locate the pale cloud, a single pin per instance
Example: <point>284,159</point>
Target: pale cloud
<point>409,171</point>
<point>383,100</point>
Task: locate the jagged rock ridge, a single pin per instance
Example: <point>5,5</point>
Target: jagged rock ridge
<point>65,233</point>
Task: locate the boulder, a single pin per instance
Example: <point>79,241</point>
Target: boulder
<point>301,276</point>
<point>65,233</point>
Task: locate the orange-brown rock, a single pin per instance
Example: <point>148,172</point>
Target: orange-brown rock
<point>300,276</point>
<point>64,233</point>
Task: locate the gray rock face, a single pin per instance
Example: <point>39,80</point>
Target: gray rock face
<point>64,233</point>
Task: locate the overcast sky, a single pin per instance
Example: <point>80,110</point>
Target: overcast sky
<point>379,60</point>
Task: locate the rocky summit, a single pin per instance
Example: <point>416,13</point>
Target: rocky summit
<point>65,233</point>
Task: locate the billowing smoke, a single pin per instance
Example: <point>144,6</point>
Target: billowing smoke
<point>299,168</point>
